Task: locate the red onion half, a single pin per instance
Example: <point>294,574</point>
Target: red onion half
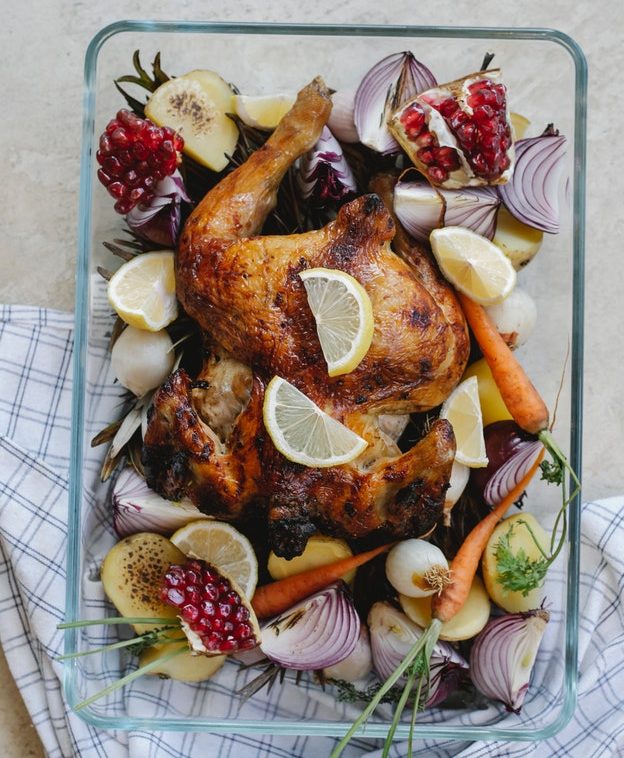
<point>159,222</point>
<point>387,85</point>
<point>422,208</point>
<point>392,635</point>
<point>324,175</point>
<point>137,508</point>
<point>532,193</point>
<point>503,655</point>
<point>319,632</point>
<point>512,472</point>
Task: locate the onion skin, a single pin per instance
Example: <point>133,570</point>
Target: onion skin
<point>317,633</point>
<point>385,87</point>
<point>502,658</point>
<point>532,193</point>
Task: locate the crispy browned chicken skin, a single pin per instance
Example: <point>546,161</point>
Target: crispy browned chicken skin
<point>244,290</point>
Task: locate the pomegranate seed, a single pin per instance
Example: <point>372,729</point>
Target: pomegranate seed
<point>504,162</point>
<point>437,174</point>
<point>483,113</point>
<point>209,592</point>
<point>413,120</point>
<point>467,135</point>
<point>204,624</point>
<point>224,610</point>
<point>448,107</point>
<point>240,614</point>
<point>190,612</point>
<point>192,576</point>
<point>131,150</point>
<point>223,586</point>
<point>228,627</point>
<point>213,641</point>
<point>228,645</point>
<point>243,632</point>
<point>208,607</point>
<point>117,189</point>
<point>104,178</point>
<point>446,157</point>
<point>247,644</point>
<point>426,155</point>
<point>217,624</point>
<point>193,594</point>
<point>231,597</point>
<point>479,163</point>
<point>458,118</point>
<point>175,597</point>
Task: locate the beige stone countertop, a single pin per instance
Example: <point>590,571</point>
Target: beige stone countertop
<point>42,48</point>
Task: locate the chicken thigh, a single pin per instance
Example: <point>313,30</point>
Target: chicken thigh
<point>245,291</point>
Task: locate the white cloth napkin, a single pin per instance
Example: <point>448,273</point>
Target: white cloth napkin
<point>35,387</point>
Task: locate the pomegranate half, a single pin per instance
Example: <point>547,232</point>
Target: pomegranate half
<point>459,134</point>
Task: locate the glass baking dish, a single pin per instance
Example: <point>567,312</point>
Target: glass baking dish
<point>546,74</point>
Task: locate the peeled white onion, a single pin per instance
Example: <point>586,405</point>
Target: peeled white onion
<point>142,360</point>
<point>514,317</point>
<point>417,568</point>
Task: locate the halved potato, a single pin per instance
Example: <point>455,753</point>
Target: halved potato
<point>467,623</point>
<point>319,551</point>
<point>195,105</point>
<point>132,574</point>
<point>185,667</point>
<point>520,538</point>
<point>519,242</point>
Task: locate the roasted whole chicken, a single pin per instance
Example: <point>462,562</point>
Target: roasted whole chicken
<point>205,437</point>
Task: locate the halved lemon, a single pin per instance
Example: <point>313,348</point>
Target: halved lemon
<point>262,111</point>
<point>224,547</point>
<point>302,432</point>
<point>344,317</point>
<point>473,264</point>
<point>142,291</point>
<point>463,410</point>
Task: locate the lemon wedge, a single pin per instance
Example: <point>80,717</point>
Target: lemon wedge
<point>262,111</point>
<point>473,264</point>
<point>142,291</point>
<point>302,432</point>
<point>463,410</point>
<point>219,544</point>
<point>344,317</point>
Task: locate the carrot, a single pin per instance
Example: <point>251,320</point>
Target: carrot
<point>464,565</point>
<point>274,598</point>
<point>523,401</point>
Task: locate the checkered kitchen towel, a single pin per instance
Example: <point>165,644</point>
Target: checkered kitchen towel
<point>35,387</point>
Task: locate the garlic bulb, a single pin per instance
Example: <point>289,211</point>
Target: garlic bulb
<point>137,508</point>
<point>417,568</point>
<point>502,658</point>
<point>142,360</point>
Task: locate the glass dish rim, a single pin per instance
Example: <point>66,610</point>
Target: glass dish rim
<point>490,732</point>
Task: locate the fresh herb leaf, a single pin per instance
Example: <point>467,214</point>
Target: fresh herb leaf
<point>349,693</point>
<point>552,472</point>
<point>516,571</point>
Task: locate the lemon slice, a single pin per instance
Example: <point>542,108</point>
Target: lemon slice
<point>463,410</point>
<point>142,291</point>
<point>302,432</point>
<point>262,111</point>
<point>224,547</point>
<point>344,317</point>
<point>473,264</point>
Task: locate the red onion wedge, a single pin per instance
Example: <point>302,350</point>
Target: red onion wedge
<point>532,193</point>
<point>422,208</point>
<point>317,633</point>
<point>387,85</point>
<point>512,472</point>
<point>137,508</point>
<point>159,222</point>
<point>392,635</point>
<point>324,175</point>
<point>340,122</point>
<point>502,658</point>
